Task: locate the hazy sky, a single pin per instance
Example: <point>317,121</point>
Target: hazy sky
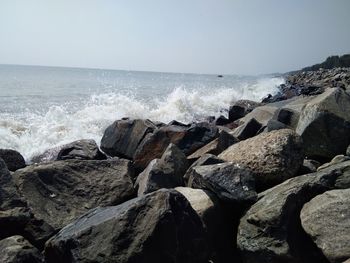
<point>201,36</point>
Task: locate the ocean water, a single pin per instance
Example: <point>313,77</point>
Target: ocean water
<point>44,107</point>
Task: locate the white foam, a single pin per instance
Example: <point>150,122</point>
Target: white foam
<point>33,133</point>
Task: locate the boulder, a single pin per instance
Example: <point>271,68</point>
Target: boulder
<point>337,159</point>
<point>270,231</point>
<point>9,197</point>
<point>81,150</point>
<point>272,125</point>
<point>309,166</point>
<point>124,136</point>
<point>59,192</point>
<point>222,120</point>
<point>187,139</point>
<point>261,114</point>
<point>13,159</point>
<point>166,172</point>
<point>324,125</point>
<point>232,183</point>
<point>21,221</point>
<point>157,227</point>
<point>16,249</point>
<point>241,108</point>
<point>217,221</point>
<point>273,157</point>
<point>326,218</point>
<point>247,130</point>
<point>224,140</point>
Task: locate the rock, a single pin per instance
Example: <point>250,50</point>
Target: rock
<point>166,172</point>
<point>287,116</point>
<point>16,249</point>
<point>187,139</point>
<point>273,157</point>
<point>241,108</point>
<point>9,197</point>
<point>261,114</point>
<point>47,156</point>
<point>224,140</point>
<point>60,191</point>
<point>247,130</point>
<point>124,136</point>
<point>230,182</point>
<point>21,221</point>
<point>326,218</point>
<point>222,120</point>
<point>348,151</point>
<point>158,227</point>
<point>81,150</point>
<point>337,159</point>
<point>272,125</point>
<point>324,125</point>
<point>217,221</point>
<point>13,159</point>
<point>309,166</point>
<point>270,231</point>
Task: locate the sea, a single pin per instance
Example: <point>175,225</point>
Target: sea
<point>45,107</point>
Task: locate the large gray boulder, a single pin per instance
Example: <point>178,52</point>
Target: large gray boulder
<point>273,157</point>
<point>166,172</point>
<point>326,218</point>
<point>270,231</point>
<point>16,249</point>
<point>324,124</point>
<point>157,227</point>
<point>124,136</point>
<point>231,182</point>
<point>241,108</point>
<point>58,192</point>
<point>13,159</point>
<point>187,139</point>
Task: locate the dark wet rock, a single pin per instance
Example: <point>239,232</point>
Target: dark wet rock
<point>81,150</point>
<point>273,157</point>
<point>16,249</point>
<point>177,123</point>
<point>124,136</point>
<point>166,172</point>
<point>222,120</point>
<point>271,231</point>
<point>60,191</point>
<point>324,125</point>
<point>9,197</point>
<point>224,140</point>
<point>326,218</point>
<point>232,183</point>
<point>287,116</point>
<point>247,130</point>
<point>13,159</point>
<point>158,227</point>
<point>48,155</point>
<point>187,139</point>
<point>241,108</point>
<point>206,159</point>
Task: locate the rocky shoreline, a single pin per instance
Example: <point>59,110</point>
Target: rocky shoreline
<point>269,183</point>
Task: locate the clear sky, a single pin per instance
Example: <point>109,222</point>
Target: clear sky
<point>200,36</point>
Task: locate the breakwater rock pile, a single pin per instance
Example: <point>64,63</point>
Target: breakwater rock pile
<point>268,183</point>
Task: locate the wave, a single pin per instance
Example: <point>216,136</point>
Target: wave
<point>32,133</point>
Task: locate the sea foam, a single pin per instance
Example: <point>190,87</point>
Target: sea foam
<point>32,133</point>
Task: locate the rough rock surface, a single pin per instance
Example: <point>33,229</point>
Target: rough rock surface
<point>326,218</point>
<point>230,182</point>
<point>247,130</point>
<point>158,227</point>
<point>124,136</point>
<point>187,139</point>
<point>13,159</point>
<point>81,150</point>
<point>16,249</point>
<point>166,172</point>
<point>60,191</point>
<point>324,125</point>
<point>271,231</point>
<point>241,108</point>
<point>273,157</point>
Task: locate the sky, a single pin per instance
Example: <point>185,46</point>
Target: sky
<point>191,36</point>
